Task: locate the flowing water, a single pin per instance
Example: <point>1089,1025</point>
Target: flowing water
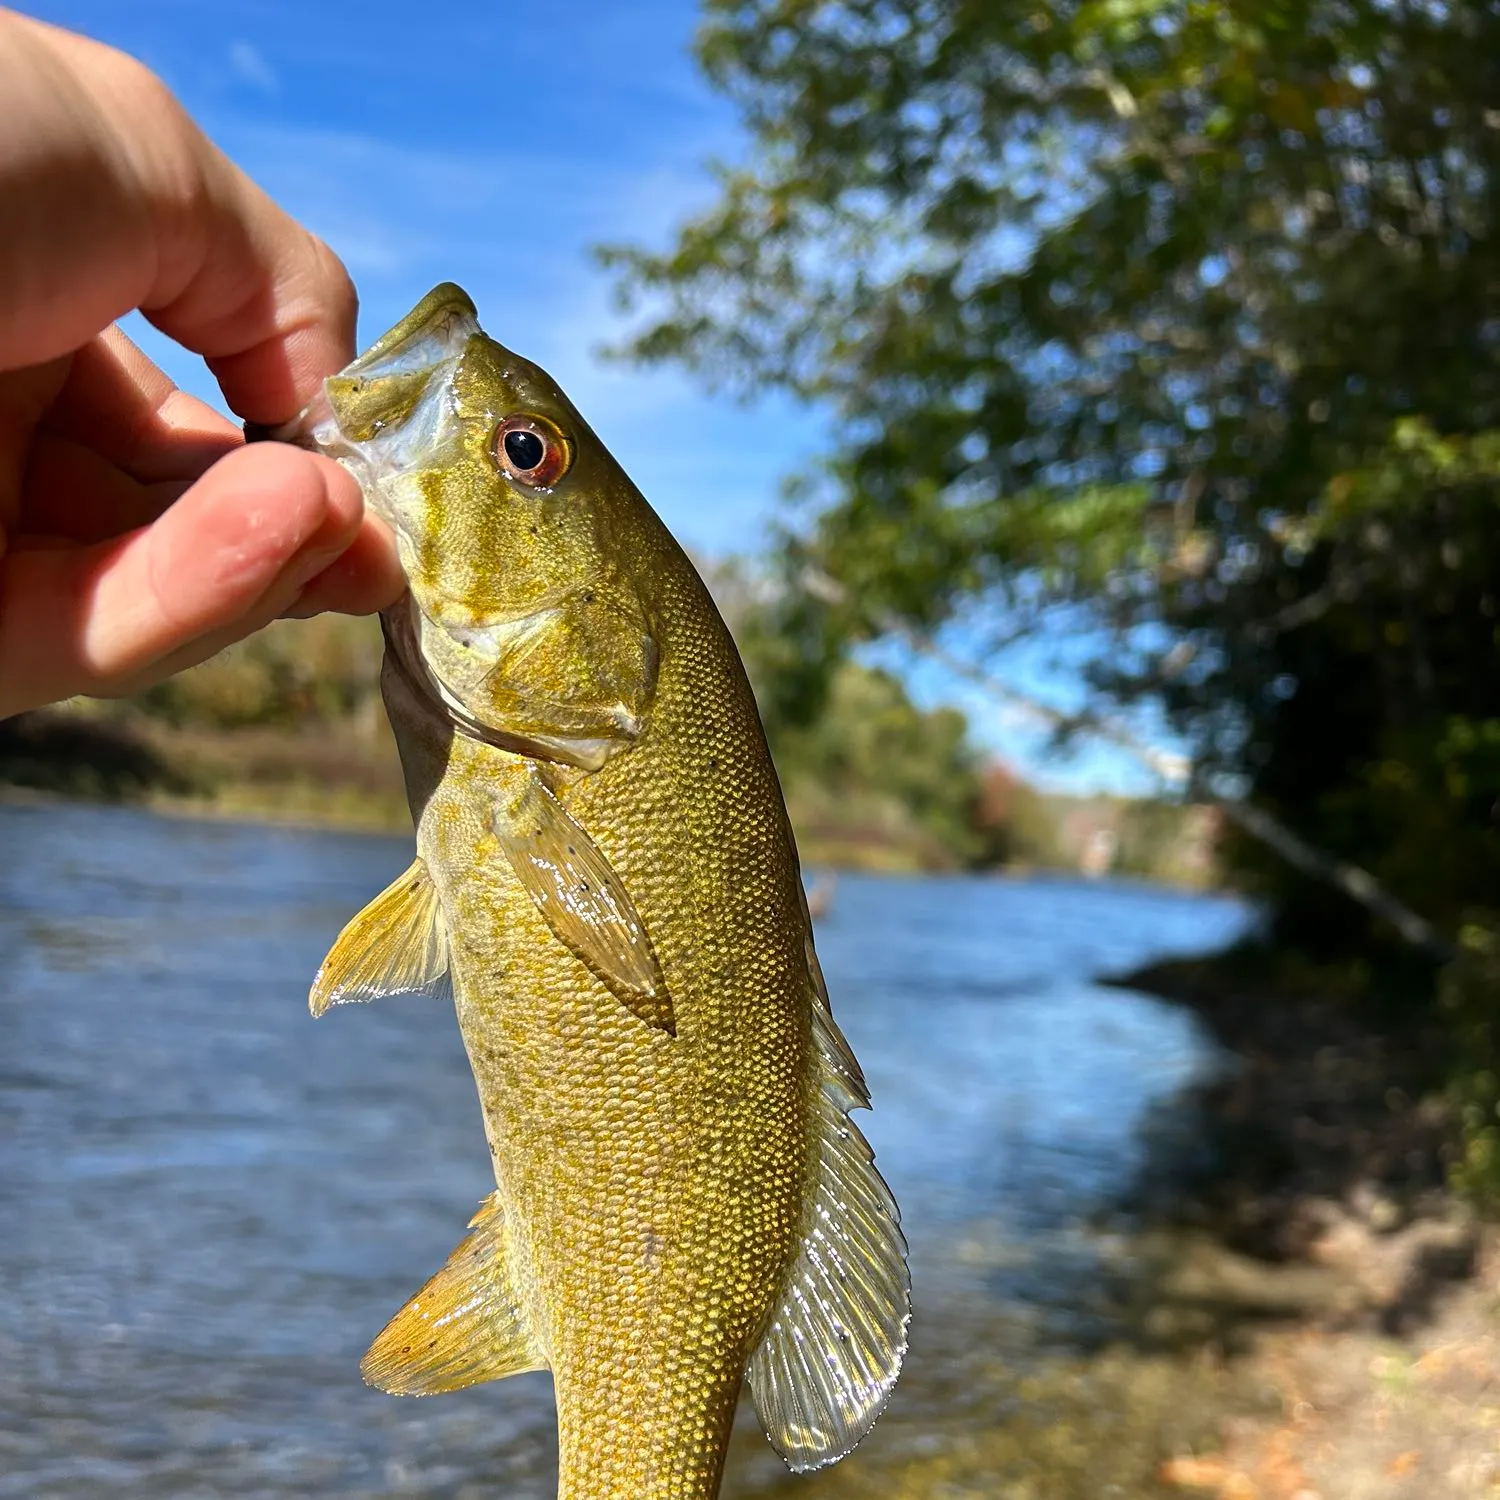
<point>209,1203</point>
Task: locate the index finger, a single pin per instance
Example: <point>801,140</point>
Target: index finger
<point>113,199</point>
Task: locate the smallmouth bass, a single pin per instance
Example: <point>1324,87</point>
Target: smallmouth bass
<point>607,885</point>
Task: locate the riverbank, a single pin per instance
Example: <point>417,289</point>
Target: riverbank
<point>1319,1186</point>
<point>1332,1100</point>
<point>343,773</point>
<point>1362,1416</point>
<point>337,776</point>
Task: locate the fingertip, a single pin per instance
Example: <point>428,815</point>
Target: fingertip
<point>265,518</point>
<point>344,500</point>
<point>366,577</point>
<point>315,493</point>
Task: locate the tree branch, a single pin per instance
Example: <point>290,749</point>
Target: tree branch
<point>1175,770</point>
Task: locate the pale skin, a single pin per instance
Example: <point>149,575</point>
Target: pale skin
<point>138,534</point>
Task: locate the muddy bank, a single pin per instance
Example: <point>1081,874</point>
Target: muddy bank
<point>1358,1415</point>
<point>342,775</point>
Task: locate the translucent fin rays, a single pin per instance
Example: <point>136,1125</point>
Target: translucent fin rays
<point>396,945</point>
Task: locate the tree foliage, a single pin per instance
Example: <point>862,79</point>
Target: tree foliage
<point>1184,314</point>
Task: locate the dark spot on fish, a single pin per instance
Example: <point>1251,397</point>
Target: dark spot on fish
<point>588,596</point>
<point>713,762</point>
<point>570,849</point>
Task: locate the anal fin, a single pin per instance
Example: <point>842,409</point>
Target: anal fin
<point>396,945</point>
<point>464,1327</point>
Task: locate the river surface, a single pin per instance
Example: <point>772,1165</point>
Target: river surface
<point>209,1203</point>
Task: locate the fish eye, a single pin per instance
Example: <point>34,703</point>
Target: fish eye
<point>532,451</point>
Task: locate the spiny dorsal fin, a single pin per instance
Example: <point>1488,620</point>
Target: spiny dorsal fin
<point>396,945</point>
<point>584,901</point>
<point>464,1327</point>
<point>826,1366</point>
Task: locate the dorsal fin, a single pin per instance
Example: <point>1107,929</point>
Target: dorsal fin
<point>583,900</point>
<point>464,1327</point>
<point>831,1354</point>
<point>395,945</point>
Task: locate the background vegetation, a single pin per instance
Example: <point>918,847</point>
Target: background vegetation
<point>290,724</point>
<point>1171,322</point>
<point>1169,328</point>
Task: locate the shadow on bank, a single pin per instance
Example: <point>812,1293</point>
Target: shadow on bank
<point>66,755</point>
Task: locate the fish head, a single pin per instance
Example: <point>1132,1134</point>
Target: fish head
<point>513,525</point>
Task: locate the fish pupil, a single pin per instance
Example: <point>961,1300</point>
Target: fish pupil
<point>524,449</point>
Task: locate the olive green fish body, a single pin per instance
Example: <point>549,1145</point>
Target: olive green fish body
<point>607,882</point>
<point>660,1179</point>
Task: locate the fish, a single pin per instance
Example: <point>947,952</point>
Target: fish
<point>607,886</point>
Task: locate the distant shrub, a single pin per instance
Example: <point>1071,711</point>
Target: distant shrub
<point>292,672</point>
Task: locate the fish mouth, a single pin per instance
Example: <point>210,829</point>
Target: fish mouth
<point>383,409</point>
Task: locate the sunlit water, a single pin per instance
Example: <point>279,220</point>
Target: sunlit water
<point>209,1204</point>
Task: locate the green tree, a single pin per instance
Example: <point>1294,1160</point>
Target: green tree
<point>1182,317</point>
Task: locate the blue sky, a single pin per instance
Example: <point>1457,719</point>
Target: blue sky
<point>494,144</point>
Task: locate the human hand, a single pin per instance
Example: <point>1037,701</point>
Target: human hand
<point>138,535</point>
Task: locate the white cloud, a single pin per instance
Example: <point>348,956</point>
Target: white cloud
<point>249,65</point>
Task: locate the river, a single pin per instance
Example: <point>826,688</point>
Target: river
<point>209,1203</point>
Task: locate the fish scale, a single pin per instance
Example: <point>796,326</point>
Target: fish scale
<point>606,883</point>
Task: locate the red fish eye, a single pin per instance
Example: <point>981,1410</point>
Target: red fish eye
<point>532,451</point>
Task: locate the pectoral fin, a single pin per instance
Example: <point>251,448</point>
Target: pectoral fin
<point>584,901</point>
<point>397,944</point>
<point>464,1327</point>
<point>826,1365</point>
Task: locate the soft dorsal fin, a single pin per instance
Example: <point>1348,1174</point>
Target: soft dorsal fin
<point>583,900</point>
<point>396,945</point>
<point>826,1365</point>
<point>464,1327</point>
